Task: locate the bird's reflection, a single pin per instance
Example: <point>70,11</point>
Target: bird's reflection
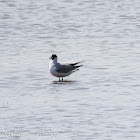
<point>63,82</point>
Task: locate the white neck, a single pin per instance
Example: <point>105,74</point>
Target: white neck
<point>52,63</point>
<point>54,60</point>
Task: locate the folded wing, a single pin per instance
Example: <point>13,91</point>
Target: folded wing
<point>68,67</point>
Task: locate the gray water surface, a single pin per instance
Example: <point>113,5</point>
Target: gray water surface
<point>101,101</point>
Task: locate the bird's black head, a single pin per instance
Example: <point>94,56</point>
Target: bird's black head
<point>53,56</point>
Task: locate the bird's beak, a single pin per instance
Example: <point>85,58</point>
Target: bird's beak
<point>50,58</point>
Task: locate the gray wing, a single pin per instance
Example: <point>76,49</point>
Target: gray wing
<point>64,68</point>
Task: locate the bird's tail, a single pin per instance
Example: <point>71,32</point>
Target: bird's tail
<point>75,70</point>
<point>76,63</point>
<point>78,66</point>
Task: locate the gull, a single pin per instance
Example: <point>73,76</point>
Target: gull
<point>62,69</point>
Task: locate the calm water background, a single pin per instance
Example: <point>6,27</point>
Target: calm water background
<point>101,101</point>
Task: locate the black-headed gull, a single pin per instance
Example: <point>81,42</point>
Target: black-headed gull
<point>62,69</point>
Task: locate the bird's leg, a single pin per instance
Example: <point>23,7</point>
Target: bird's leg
<point>59,79</point>
<point>62,78</point>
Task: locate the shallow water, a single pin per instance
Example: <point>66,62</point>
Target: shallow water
<point>101,100</point>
